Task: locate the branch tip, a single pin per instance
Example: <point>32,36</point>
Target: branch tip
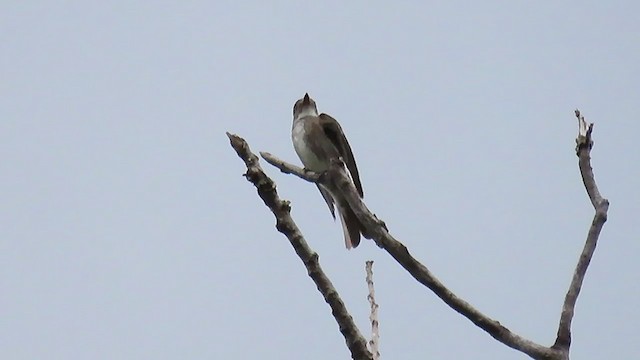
<point>584,144</point>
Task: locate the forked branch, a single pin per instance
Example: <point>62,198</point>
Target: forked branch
<point>356,343</point>
<point>378,231</point>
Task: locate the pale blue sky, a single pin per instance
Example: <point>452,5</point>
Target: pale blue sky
<point>127,231</point>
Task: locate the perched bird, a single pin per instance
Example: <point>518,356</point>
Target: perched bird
<point>317,139</point>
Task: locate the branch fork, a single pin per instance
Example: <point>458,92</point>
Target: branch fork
<point>377,230</point>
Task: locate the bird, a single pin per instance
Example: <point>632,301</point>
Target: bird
<point>317,139</point>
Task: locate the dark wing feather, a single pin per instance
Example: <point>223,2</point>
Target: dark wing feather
<point>328,199</point>
<point>334,132</point>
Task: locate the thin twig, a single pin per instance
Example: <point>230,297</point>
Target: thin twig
<point>584,144</point>
<point>374,343</point>
<point>356,343</point>
<point>289,168</point>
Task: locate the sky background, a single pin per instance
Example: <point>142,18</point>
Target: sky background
<point>128,232</point>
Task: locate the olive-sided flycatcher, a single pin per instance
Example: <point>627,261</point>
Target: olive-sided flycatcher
<point>317,139</point>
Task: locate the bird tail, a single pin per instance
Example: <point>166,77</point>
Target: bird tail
<point>351,226</point>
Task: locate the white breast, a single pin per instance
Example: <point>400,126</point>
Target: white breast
<point>308,158</point>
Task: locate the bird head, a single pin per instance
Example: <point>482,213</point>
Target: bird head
<point>304,107</point>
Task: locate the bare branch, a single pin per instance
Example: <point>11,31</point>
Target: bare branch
<point>290,169</point>
<point>422,274</point>
<point>584,144</point>
<point>377,230</point>
<point>337,178</point>
<point>284,223</point>
<point>374,343</point>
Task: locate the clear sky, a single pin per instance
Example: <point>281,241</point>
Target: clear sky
<point>128,232</point>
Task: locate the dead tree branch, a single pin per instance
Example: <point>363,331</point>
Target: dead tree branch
<point>377,230</point>
<point>281,209</point>
<point>374,343</point>
<point>584,144</point>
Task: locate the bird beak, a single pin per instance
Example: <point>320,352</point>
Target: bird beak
<point>306,98</point>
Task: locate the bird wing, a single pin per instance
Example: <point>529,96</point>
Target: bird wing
<point>334,132</point>
<point>328,199</point>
